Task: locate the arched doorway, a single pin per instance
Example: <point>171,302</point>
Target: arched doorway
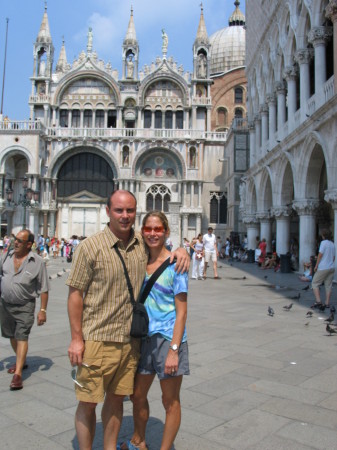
<point>84,182</point>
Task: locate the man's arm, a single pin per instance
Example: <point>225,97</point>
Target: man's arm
<point>42,314</point>
<point>183,260</point>
<point>75,310</point>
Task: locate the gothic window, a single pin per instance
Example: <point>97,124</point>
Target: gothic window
<point>63,118</point>
<point>238,113</point>
<point>87,119</point>
<point>99,121</point>
<point>158,197</point>
<point>179,120</point>
<point>147,118</point>
<point>238,98</point>
<point>192,158</point>
<point>85,171</point>
<point>218,208</point>
<point>75,118</point>
<point>168,120</point>
<point>158,119</point>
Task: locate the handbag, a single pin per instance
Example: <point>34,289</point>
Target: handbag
<point>140,318</point>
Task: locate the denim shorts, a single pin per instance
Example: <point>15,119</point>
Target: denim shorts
<point>153,355</point>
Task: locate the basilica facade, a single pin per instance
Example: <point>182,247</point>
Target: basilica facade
<point>289,192</point>
<point>157,131</point>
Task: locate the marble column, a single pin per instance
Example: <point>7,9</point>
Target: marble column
<point>185,225</point>
<point>281,107</point>
<point>303,57</point>
<point>253,230</point>
<point>306,210</point>
<point>199,193</point>
<point>252,141</point>
<point>265,228</point>
<point>318,37</point>
<point>271,101</point>
<point>257,121</point>
<point>331,13</point>
<point>184,193</point>
<point>282,216</point>
<point>198,224</point>
<point>52,215</point>
<point>290,74</point>
<point>264,126</point>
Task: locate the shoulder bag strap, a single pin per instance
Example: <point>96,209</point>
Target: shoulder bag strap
<point>152,280</point>
<point>130,288</point>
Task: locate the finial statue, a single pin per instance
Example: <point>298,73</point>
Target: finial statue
<point>165,42</point>
<point>89,44</point>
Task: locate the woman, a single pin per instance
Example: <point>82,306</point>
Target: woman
<point>164,352</point>
<point>198,258</point>
<point>263,248</point>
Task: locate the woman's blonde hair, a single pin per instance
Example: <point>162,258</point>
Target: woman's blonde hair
<point>161,216</point>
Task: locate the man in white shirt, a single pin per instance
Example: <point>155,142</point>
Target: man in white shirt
<point>324,269</point>
<point>211,252</point>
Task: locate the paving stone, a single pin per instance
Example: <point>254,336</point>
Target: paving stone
<point>311,435</point>
<point>21,437</point>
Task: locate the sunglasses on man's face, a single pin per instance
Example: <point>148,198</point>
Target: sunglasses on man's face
<point>20,241</point>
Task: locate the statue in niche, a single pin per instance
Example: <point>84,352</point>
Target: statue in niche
<point>129,68</point>
<point>42,68</point>
<point>89,44</point>
<point>202,66</point>
<point>165,42</point>
<point>192,158</point>
<point>125,157</point>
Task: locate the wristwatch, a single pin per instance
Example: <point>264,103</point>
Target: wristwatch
<point>174,347</point>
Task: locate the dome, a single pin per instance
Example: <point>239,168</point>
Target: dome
<point>229,44</point>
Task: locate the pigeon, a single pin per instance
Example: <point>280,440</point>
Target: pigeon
<point>288,308</point>
<point>244,278</point>
<point>309,313</point>
<point>330,330</point>
<point>332,309</point>
<point>330,318</point>
<point>306,324</point>
<point>270,311</point>
<point>305,288</point>
<point>295,297</point>
<point>265,277</point>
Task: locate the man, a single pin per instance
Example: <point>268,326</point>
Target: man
<point>211,252</point>
<point>100,320</point>
<point>24,278</point>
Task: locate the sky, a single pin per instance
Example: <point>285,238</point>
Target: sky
<point>109,21</point>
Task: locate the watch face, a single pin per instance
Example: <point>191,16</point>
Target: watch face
<point>174,347</point>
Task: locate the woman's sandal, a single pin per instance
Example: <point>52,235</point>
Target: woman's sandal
<point>128,445</point>
<point>316,305</point>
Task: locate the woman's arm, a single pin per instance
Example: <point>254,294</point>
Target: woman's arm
<point>172,359</point>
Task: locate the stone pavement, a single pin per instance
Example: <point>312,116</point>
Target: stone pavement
<point>257,382</point>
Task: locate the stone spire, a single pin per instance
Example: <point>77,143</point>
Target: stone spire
<point>237,18</point>
<point>62,61</point>
<point>130,37</point>
<point>44,33</point>
<point>202,36</point>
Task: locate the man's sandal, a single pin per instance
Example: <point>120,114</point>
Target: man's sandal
<point>128,445</point>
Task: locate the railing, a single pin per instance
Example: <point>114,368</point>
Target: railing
<point>21,125</point>
<point>329,88</point>
<point>240,124</point>
<point>39,98</point>
<point>111,133</point>
<point>201,101</point>
<point>138,133</point>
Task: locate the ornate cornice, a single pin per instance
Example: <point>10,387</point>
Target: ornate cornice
<point>331,10</point>
<point>251,125</point>
<point>263,216</point>
<point>270,99</point>
<point>280,87</point>
<point>304,55</point>
<point>306,207</point>
<point>319,35</point>
<point>290,73</point>
<point>331,197</point>
<point>250,219</point>
<point>281,211</point>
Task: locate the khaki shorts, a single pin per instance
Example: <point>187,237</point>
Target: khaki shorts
<point>210,255</point>
<point>112,368</point>
<point>323,276</point>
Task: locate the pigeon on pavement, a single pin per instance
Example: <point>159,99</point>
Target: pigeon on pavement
<point>288,307</point>
<point>330,318</point>
<point>330,330</point>
<point>270,311</point>
<point>295,297</point>
<point>310,313</point>
<point>305,288</point>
